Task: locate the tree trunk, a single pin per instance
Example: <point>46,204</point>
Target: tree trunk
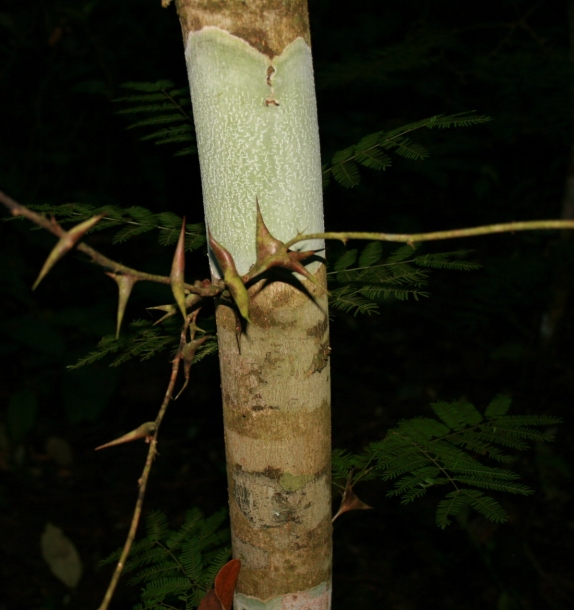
<point>251,80</point>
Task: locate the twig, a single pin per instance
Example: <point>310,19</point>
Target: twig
<point>411,238</point>
<point>145,474</point>
<point>18,209</point>
<point>205,288</point>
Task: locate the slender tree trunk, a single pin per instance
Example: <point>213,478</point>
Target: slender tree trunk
<point>251,79</point>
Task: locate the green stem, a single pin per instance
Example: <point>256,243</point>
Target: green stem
<point>411,238</point>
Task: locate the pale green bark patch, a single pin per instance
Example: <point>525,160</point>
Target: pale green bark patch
<point>319,596</point>
<point>256,126</point>
<point>292,482</point>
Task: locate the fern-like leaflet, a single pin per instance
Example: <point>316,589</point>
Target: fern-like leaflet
<point>450,450</point>
<point>359,281</point>
<point>144,342</point>
<point>132,221</point>
<point>175,568</point>
<point>162,105</point>
<point>372,151</point>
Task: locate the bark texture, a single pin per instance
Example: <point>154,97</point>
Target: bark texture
<point>267,25</point>
<point>251,81</point>
<point>277,430</point>
<point>256,127</point>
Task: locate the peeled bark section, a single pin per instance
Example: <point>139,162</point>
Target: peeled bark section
<point>275,386</point>
<point>266,25</point>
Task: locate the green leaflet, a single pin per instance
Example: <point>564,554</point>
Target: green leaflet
<point>358,282</point>
<point>175,568</point>
<point>131,222</point>
<point>372,150</point>
<point>160,104</point>
<point>453,451</point>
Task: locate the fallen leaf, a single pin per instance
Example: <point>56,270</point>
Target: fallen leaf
<point>210,602</point>
<point>221,596</point>
<point>226,581</point>
<point>61,555</point>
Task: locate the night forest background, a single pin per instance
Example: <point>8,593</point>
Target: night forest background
<point>507,328</point>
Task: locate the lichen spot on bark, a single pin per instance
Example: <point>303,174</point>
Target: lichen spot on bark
<point>291,482</point>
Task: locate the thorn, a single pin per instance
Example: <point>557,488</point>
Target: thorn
<point>230,276</point>
<point>66,242</point>
<point>125,284</point>
<point>144,431</point>
<point>176,277</point>
<point>187,355</point>
<point>191,299</point>
<point>350,501</point>
<point>272,252</point>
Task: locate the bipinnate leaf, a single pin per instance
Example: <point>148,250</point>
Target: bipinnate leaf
<point>176,277</point>
<point>498,406</point>
<point>455,449</point>
<point>66,242</point>
<point>144,431</point>
<point>125,284</point>
<point>232,280</point>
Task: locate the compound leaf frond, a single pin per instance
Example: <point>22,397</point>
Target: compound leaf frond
<point>368,151</point>
<point>450,450</point>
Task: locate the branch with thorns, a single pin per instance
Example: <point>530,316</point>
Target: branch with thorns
<point>150,431</point>
<point>271,252</point>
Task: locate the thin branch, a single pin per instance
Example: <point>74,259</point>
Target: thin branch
<point>18,209</point>
<point>411,238</point>
<point>146,471</point>
<point>201,288</point>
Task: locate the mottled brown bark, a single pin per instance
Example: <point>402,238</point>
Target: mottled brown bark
<point>267,25</point>
<point>275,388</point>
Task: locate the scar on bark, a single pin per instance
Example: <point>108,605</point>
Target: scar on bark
<point>271,101</point>
<point>270,73</point>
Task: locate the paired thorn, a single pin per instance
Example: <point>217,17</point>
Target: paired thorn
<point>187,355</point>
<point>271,252</point>
<point>191,299</point>
<point>188,349</point>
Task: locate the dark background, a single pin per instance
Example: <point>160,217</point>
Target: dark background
<point>378,65</point>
